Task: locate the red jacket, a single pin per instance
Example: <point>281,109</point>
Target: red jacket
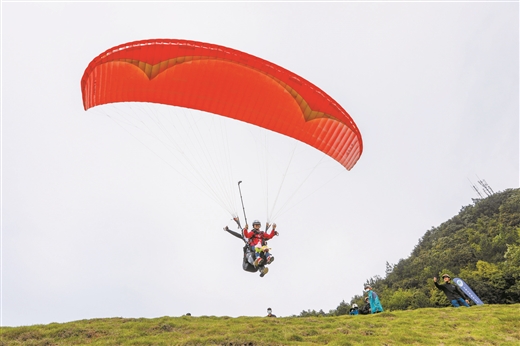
<point>256,239</point>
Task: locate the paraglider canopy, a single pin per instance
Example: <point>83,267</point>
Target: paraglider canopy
<point>226,82</point>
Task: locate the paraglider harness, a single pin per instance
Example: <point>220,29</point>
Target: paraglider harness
<point>249,253</point>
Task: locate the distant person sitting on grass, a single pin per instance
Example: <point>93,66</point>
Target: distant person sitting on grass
<point>354,310</point>
<point>270,313</point>
<point>365,310</point>
<point>452,291</point>
<point>375,304</point>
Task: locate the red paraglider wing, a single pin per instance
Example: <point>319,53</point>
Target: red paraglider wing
<point>227,82</point>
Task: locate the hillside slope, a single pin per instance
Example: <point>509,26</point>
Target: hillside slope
<point>479,325</point>
<point>481,245</point>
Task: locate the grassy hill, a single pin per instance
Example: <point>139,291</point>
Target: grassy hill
<point>481,245</point>
<point>478,325</point>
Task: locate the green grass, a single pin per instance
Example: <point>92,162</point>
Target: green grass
<point>478,325</point>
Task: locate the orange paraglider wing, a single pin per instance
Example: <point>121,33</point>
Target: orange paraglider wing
<point>226,82</point>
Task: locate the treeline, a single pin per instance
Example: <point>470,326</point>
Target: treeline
<point>481,245</point>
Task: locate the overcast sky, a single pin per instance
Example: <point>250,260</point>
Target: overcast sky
<point>96,225</point>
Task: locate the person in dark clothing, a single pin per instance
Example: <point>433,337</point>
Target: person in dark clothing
<point>452,291</point>
<point>365,310</point>
<point>270,313</point>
